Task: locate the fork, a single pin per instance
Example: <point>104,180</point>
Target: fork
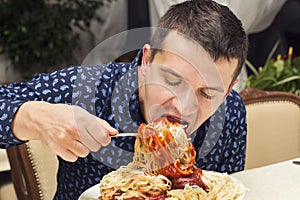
<point>124,135</point>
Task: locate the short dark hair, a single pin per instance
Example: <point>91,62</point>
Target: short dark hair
<point>208,23</point>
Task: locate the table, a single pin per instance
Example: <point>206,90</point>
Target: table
<point>271,182</point>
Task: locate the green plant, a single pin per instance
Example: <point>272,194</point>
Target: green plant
<point>38,34</point>
<point>282,74</point>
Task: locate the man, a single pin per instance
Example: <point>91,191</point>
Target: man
<point>186,75</point>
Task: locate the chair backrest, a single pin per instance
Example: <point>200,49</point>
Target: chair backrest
<point>33,171</point>
<point>273,120</point>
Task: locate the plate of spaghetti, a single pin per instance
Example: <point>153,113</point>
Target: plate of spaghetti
<point>163,168</point>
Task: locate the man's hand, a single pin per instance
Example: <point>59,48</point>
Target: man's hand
<point>69,131</point>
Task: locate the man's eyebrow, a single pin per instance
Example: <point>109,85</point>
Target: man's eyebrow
<point>171,72</point>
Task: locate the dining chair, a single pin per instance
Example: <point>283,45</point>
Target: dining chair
<point>273,123</point>
<point>33,171</point>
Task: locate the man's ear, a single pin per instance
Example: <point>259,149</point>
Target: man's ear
<point>230,88</point>
<point>145,58</point>
<point>146,54</point>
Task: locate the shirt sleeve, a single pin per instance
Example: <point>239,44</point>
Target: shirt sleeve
<point>54,87</point>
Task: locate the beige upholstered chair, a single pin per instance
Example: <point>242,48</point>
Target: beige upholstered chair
<point>273,127</point>
<point>33,171</point>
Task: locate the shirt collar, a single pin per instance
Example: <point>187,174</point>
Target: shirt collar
<point>135,105</point>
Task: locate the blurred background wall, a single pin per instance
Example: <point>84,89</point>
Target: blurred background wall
<point>264,21</point>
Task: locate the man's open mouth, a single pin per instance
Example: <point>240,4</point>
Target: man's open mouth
<point>173,119</point>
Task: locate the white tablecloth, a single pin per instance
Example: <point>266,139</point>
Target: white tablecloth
<point>272,182</point>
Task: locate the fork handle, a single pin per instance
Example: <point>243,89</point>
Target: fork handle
<point>124,135</point>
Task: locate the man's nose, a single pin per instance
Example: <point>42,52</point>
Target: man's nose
<point>186,102</point>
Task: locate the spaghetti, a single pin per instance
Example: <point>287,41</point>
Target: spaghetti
<point>163,167</point>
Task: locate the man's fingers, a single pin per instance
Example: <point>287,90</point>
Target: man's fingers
<point>79,149</point>
<point>100,131</point>
<point>72,151</point>
<point>67,148</point>
<point>66,154</point>
<point>101,136</point>
<point>88,140</point>
<point>109,128</point>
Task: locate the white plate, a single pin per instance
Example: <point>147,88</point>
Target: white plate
<point>94,191</point>
<point>91,193</point>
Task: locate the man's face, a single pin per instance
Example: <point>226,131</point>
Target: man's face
<point>184,89</point>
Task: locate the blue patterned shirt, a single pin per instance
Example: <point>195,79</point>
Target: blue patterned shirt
<point>110,92</point>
